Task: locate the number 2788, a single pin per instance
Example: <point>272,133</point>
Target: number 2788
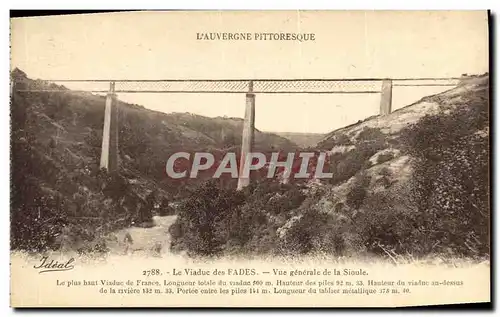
<point>151,272</point>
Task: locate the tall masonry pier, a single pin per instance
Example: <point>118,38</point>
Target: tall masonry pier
<point>248,135</point>
<point>386,97</point>
<point>109,149</point>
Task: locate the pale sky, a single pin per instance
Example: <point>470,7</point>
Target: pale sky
<point>349,44</point>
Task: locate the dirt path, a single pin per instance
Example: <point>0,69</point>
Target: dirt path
<point>144,239</point>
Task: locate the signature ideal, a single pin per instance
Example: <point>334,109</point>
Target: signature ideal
<point>47,265</point>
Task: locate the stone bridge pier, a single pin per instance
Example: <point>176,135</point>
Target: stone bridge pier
<point>109,148</point>
<point>386,97</point>
<point>248,135</point>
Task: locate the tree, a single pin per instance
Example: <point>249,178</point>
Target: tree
<point>203,221</point>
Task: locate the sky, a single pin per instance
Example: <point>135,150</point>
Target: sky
<point>348,44</point>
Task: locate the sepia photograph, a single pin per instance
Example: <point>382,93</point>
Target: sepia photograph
<point>250,159</point>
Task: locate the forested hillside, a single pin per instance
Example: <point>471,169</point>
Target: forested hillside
<point>56,146</point>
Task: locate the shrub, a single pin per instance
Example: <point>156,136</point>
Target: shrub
<point>203,226</point>
<point>389,220</point>
<point>358,191</point>
<point>315,232</point>
<point>371,135</point>
<point>347,165</point>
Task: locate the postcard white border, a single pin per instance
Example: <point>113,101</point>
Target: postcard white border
<point>188,5</point>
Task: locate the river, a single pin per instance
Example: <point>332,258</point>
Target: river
<point>143,239</point>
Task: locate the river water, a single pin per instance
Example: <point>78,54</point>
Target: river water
<point>143,239</point>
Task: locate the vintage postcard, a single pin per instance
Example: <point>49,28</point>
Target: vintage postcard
<point>250,159</point>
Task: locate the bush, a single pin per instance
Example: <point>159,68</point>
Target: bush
<point>369,134</point>
<point>315,232</point>
<point>347,165</point>
<point>358,191</point>
<point>203,222</point>
<point>388,220</point>
<point>287,201</point>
